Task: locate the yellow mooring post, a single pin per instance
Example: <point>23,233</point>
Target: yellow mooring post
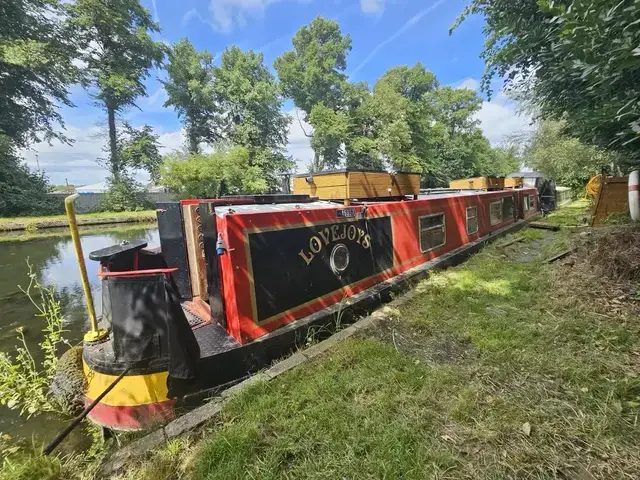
<point>95,334</point>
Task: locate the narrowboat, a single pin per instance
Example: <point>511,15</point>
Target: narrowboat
<point>237,281</point>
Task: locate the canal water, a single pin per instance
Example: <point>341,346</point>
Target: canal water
<point>53,261</point>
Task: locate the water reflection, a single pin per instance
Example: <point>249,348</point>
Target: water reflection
<point>54,263</point>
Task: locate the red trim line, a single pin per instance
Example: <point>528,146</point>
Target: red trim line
<point>132,417</point>
<point>138,273</point>
<point>634,188</point>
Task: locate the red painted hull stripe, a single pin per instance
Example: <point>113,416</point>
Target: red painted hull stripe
<point>634,188</point>
<point>131,417</point>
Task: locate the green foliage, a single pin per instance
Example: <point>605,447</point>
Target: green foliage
<point>24,385</point>
<point>313,72</point>
<point>408,122</point>
<point>506,160</point>
<point>139,149</point>
<point>313,75</point>
<point>212,175</point>
<point>118,52</point>
<point>190,92</point>
<point>36,52</point>
<point>250,97</point>
<point>330,132</point>
<point>23,191</point>
<point>565,159</point>
<point>124,194</point>
<point>239,101</point>
<point>30,466</point>
<point>575,60</point>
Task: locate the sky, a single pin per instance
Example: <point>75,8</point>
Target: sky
<point>384,33</point>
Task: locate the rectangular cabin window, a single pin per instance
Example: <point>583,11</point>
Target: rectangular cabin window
<point>507,208</point>
<point>472,220</point>
<point>529,202</point>
<point>432,232</point>
<point>495,212</point>
<point>526,205</point>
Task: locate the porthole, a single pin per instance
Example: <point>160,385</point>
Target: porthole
<point>339,259</point>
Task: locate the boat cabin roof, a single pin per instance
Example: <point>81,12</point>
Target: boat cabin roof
<point>221,211</point>
<point>274,207</point>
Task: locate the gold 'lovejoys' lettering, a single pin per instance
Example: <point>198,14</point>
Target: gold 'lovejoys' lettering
<point>326,236</point>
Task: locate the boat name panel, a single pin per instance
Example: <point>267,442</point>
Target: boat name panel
<point>292,266</point>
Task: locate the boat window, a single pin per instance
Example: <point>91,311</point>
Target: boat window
<point>528,202</point>
<point>525,203</point>
<point>432,232</point>
<point>507,208</point>
<point>495,212</point>
<point>472,220</point>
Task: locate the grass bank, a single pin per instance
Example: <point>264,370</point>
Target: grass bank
<point>496,369</point>
<point>55,221</point>
<point>31,234</point>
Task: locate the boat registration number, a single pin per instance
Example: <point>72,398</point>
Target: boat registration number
<point>346,213</point>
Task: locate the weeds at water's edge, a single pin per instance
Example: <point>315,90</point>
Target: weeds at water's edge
<point>24,385</point>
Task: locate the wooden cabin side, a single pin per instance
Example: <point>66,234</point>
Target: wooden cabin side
<point>402,235</point>
<point>328,186</point>
<point>356,184</point>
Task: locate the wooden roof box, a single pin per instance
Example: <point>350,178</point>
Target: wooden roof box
<point>356,184</point>
<point>513,182</point>
<point>478,183</point>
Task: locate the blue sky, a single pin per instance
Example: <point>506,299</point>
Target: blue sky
<point>384,33</point>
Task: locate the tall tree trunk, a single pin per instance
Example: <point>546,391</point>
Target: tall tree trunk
<point>194,144</point>
<point>113,144</point>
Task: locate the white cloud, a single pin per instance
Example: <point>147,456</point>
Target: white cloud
<point>469,83</point>
<point>372,6</point>
<point>229,14</point>
<point>299,145</point>
<point>156,18</point>
<point>499,118</point>
<point>78,162</point>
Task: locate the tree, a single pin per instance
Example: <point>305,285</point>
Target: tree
<point>190,91</point>
<point>505,160</point>
<point>116,46</point>
<point>250,98</point>
<point>212,175</point>
<point>578,61</point>
<point>360,142</point>
<point>312,74</point>
<point>23,191</point>
<point>568,161</point>
<point>138,148</point>
<point>36,52</point>
<point>406,117</point>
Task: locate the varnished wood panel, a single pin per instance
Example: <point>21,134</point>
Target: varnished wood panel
<point>361,185</point>
<point>482,183</point>
<point>195,251</point>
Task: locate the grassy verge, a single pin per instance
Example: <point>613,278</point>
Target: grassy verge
<point>571,215</point>
<point>494,370</point>
<point>35,223</point>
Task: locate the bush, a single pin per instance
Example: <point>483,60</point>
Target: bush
<point>23,192</point>
<point>212,175</point>
<point>124,195</point>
